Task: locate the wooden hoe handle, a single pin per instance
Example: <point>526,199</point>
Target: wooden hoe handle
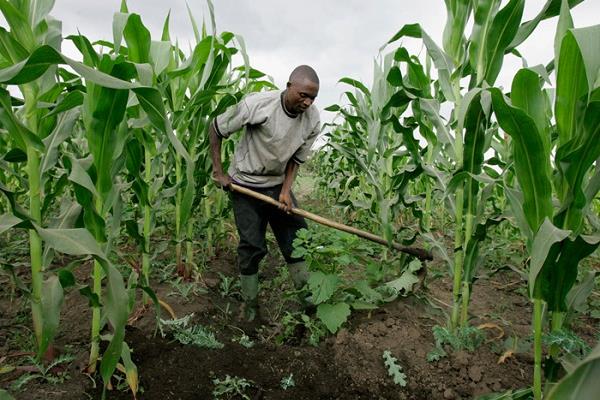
<point>421,254</point>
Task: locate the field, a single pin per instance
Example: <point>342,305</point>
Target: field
<point>119,275</point>
<point>347,365</point>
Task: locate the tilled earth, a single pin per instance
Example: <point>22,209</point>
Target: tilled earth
<point>348,365</point>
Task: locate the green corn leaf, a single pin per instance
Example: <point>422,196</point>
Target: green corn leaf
<point>8,221</point>
<point>544,243</point>
<point>151,102</point>
<point>502,31</point>
<point>69,213</point>
<point>550,9</point>
<point>81,242</point>
<point>124,9</point>
<point>119,21</point>
<point>458,12</point>
<point>515,199</point>
<point>71,100</point>
<point>15,155</point>
<point>579,65</point>
<point>565,22</point>
<point>558,275</point>
<point>131,372</point>
<point>105,110</point>
<point>79,176</point>
<point>443,63</point>
<point>530,157</point>
<point>593,186</point>
<point>16,208</point>
<point>39,10</point>
<point>582,383</point>
<point>166,36</point>
<point>114,301</point>
<point>431,108</point>
<point>23,137</point>
<point>10,48</point>
<point>472,260</point>
<point>160,56</point>
<point>206,73</point>
<point>137,37</point>
<point>194,24</point>
<point>52,299</point>
<point>578,296</point>
<point>90,57</point>
<point>93,298</point>
<point>475,128</point>
<point>527,94</point>
<point>484,15</point>
<point>199,56</point>
<point>19,25</point>
<point>77,242</point>
<point>62,131</point>
<point>356,84</point>
<point>44,57</point>
<point>576,159</point>
<point>333,315</point>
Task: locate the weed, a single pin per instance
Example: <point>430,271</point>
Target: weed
<point>394,369</point>
<point>287,382</point>
<point>244,340</point>
<point>185,289</point>
<point>231,387</point>
<point>165,273</point>
<point>45,373</point>
<point>185,333</point>
<point>291,321</point>
<point>467,338</point>
<point>228,286</point>
<point>568,342</point>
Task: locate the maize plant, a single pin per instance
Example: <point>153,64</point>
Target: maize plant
<point>197,89</point>
<point>468,133</point>
<point>558,172</point>
<point>37,124</point>
<point>109,89</point>
<point>377,145</point>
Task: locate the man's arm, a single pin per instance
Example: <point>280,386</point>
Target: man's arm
<point>285,197</point>
<point>221,179</point>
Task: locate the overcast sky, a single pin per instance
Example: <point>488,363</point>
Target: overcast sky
<point>337,37</point>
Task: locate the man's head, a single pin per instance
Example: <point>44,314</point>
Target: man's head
<point>302,89</point>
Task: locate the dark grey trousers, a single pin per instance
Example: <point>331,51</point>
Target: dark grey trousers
<point>251,218</point>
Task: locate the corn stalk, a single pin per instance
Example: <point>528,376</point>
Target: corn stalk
<point>557,240</point>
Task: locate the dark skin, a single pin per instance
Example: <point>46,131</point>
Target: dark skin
<point>300,93</point>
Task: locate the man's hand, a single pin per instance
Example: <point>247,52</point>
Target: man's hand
<point>285,198</point>
<point>223,181</point>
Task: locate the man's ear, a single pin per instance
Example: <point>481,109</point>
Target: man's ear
<point>288,85</point>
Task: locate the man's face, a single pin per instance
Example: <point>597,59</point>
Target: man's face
<point>300,95</point>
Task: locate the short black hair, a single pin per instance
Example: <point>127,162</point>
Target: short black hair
<point>304,72</point>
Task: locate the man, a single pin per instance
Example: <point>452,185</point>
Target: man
<point>279,130</point>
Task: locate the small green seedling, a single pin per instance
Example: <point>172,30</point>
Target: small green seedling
<point>230,387</point>
<point>287,382</point>
<point>394,369</point>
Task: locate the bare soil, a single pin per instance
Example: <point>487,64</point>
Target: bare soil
<point>348,365</point>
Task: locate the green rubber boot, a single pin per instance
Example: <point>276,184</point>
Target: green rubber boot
<point>249,284</point>
<point>299,274</point>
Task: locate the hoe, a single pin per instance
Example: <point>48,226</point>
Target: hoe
<point>419,253</point>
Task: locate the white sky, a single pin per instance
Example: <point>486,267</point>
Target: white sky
<point>337,37</point>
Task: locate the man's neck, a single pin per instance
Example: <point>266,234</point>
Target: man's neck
<point>285,106</point>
